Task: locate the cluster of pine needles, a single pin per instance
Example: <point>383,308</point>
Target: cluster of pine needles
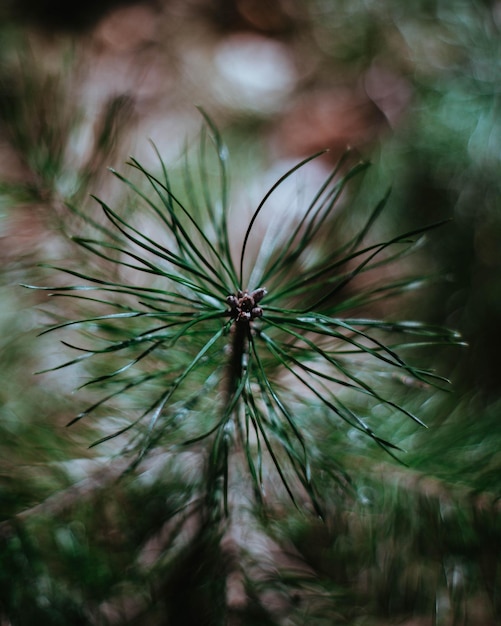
<point>240,368</point>
<point>225,352</point>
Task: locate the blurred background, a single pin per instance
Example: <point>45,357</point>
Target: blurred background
<point>412,87</point>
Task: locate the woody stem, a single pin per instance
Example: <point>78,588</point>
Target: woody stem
<point>236,365</point>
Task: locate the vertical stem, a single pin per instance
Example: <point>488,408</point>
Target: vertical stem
<point>236,365</point>
<point>228,443</point>
<point>238,521</point>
